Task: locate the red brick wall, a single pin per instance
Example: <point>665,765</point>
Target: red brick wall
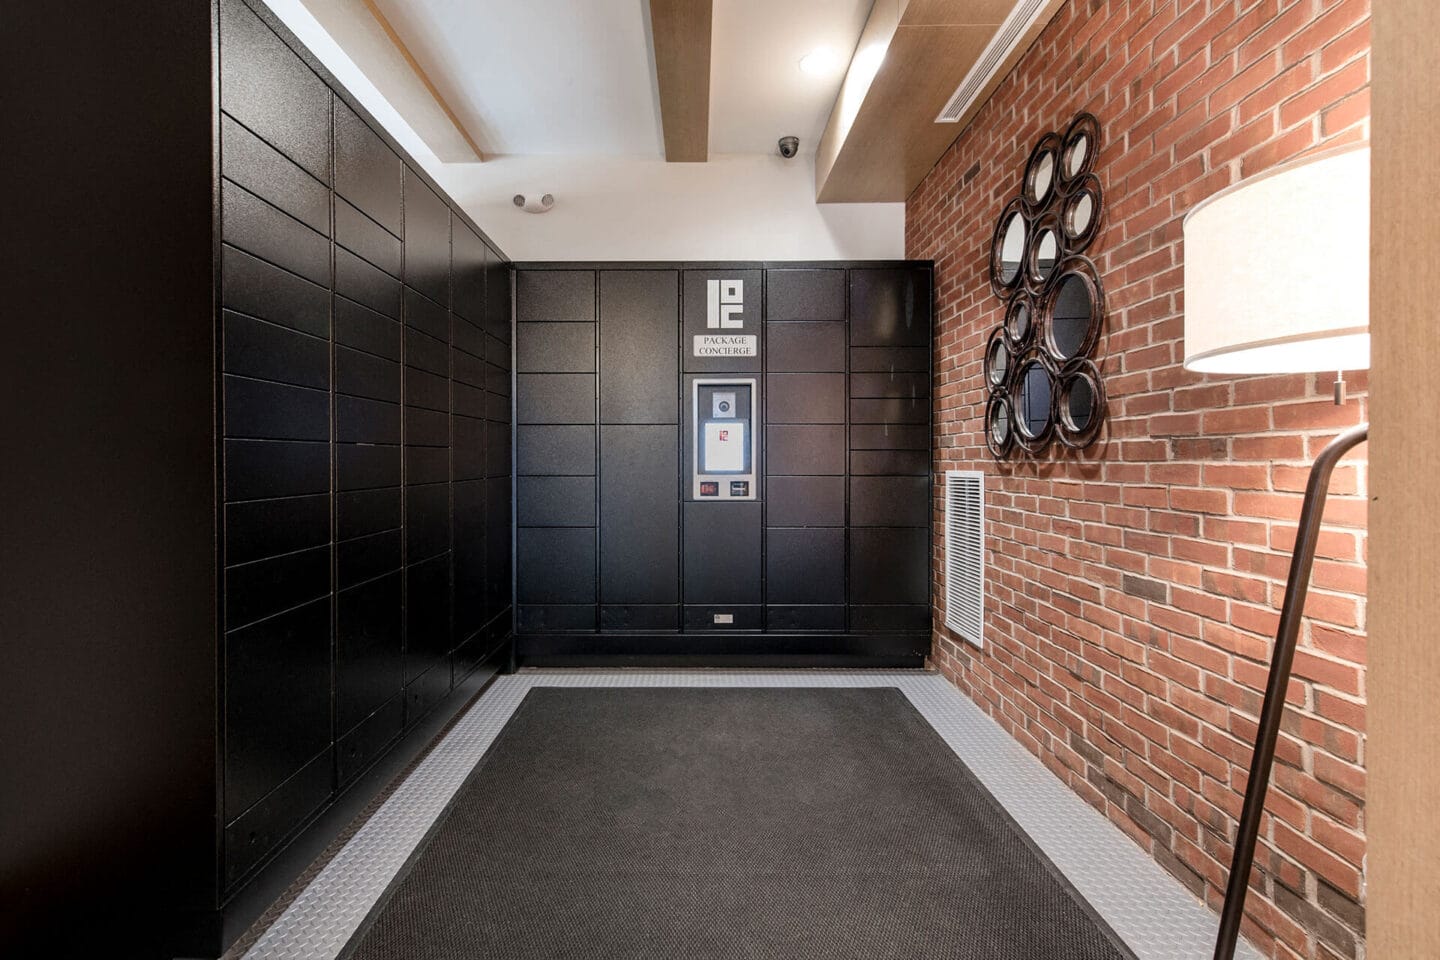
<point>1134,588</point>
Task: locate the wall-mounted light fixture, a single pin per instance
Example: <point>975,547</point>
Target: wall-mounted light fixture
<point>1277,280</point>
<point>535,203</point>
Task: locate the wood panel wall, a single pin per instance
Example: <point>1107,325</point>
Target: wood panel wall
<point>1404,680</point>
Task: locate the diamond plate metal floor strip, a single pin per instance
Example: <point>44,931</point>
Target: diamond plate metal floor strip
<point>1149,909</point>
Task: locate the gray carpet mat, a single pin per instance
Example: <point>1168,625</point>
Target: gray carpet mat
<point>727,823</point>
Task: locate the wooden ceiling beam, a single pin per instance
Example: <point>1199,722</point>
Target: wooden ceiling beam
<point>368,39</point>
<point>680,35</point>
<point>882,138</point>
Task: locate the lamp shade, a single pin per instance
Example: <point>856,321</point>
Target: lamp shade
<point>1277,270</point>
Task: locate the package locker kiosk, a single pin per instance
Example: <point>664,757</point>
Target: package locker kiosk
<point>722,425</point>
<point>723,463</point>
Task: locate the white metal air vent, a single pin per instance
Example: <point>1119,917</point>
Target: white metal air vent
<point>965,553</point>
<point>1017,26</point>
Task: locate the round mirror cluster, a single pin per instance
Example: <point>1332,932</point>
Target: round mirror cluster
<point>1039,367</point>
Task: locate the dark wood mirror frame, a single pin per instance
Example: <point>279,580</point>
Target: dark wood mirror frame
<point>1081,270</point>
<point>998,405</point>
<point>1006,289</point>
<point>1037,346</point>
<point>1076,241</point>
<point>1049,145</point>
<point>1084,125</point>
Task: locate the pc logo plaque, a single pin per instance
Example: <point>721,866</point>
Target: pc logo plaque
<point>725,311</point>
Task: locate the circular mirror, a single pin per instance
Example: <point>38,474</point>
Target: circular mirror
<point>997,360</point>
<point>1032,399</point>
<point>1040,173</point>
<point>1019,321</point>
<point>1044,253</point>
<point>1075,155</point>
<point>999,435</point>
<point>1081,403</point>
<point>1081,144</point>
<point>1007,249</point>
<point>1080,214</point>
<point>1072,311</point>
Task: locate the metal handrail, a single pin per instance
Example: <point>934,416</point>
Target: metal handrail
<point>1291,613</point>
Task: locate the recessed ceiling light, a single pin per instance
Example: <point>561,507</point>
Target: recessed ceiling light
<point>821,61</point>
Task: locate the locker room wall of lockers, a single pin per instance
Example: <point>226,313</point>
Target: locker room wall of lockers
<point>617,560</point>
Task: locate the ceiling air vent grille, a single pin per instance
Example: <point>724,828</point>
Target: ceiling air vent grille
<point>1016,27</point>
<point>965,553</point>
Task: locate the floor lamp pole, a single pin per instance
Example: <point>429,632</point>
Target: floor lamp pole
<point>1291,613</point>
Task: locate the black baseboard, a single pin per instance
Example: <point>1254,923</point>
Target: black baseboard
<point>251,900</point>
<point>722,649</point>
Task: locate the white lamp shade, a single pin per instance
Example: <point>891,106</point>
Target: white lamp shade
<point>1277,270</point>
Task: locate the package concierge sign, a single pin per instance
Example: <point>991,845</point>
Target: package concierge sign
<point>725,310</point>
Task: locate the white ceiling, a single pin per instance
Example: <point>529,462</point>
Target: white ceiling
<point>576,77</point>
<point>757,92</point>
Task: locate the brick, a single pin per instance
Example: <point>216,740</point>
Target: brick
<point>1135,587</point>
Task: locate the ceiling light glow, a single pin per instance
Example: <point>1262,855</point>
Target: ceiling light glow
<point>822,61</point>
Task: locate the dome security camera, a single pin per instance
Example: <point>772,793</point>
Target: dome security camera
<point>789,146</point>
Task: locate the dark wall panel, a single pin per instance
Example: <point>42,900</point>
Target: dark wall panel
<point>366,511</point>
<point>255,469</point>
<point>427,240</point>
<point>556,565</point>
<point>499,281</point>
<point>722,553</point>
<point>889,565</point>
<point>272,235</point>
<point>890,501</point>
<point>555,347</point>
<point>806,502</point>
<point>805,347</point>
<point>639,313</point>
<point>366,284</point>
<point>470,543</point>
<point>427,617</point>
<point>367,171</point>
<point>838,541</point>
<point>555,295</point>
<point>265,86</point>
<point>275,719</point>
<point>805,295</point>
<point>889,359</point>
<point>469,272</point>
<point>369,655</point>
<point>365,558</point>
<point>889,307</point>
<point>266,172</point>
<point>252,286</point>
<point>805,398</point>
<point>362,328</point>
<point>805,450</point>
<point>639,515</point>
<point>555,451</point>
<point>556,502</point>
<point>266,351</point>
<point>266,528</point>
<point>238,653</point>
<point>555,398</point>
<point>359,234</point>
<point>805,566</point>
